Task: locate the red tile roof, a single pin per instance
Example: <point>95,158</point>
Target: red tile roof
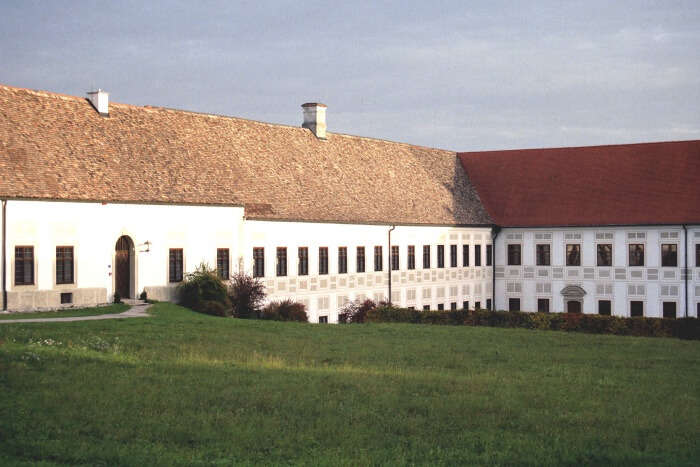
<point>628,184</point>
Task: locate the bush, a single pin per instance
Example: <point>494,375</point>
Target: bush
<point>205,292</point>
<point>356,311</point>
<point>117,297</point>
<point>246,294</point>
<point>143,296</point>
<point>684,328</point>
<point>286,310</point>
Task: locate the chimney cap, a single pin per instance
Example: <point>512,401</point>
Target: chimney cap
<point>313,104</point>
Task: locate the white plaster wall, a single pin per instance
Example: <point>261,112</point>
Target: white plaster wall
<point>93,229</point>
<point>659,284</point>
<point>324,294</point>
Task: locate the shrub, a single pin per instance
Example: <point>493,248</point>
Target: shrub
<point>355,311</point>
<point>246,294</point>
<point>201,289</point>
<point>286,310</point>
<point>143,296</point>
<point>117,297</point>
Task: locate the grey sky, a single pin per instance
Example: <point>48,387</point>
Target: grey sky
<point>458,75</point>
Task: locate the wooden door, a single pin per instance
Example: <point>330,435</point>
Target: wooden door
<point>573,306</point>
<point>122,267</point>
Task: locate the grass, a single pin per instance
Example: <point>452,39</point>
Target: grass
<point>70,312</point>
<point>187,389</point>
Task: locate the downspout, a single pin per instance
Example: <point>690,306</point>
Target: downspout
<point>4,247</point>
<point>685,266</point>
<point>494,234</point>
<point>390,265</point>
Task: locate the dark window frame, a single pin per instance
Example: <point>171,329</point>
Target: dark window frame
<point>638,259</point>
<point>608,304</point>
<point>440,256</point>
<point>453,256</point>
<point>489,253</point>
<point>65,265</point>
<point>303,261</point>
<point>342,260</point>
<point>223,263</point>
<point>22,260</point>
<point>601,253</point>
<point>669,259</point>
<point>633,305</point>
<point>360,265</point>
<point>176,265</point>
<point>395,258</point>
<point>666,313</point>
<point>426,256</point>
<point>513,304</point>
<point>477,255</point>
<point>543,254</point>
<point>515,254</point>
<point>411,257</point>
<point>465,256</point>
<point>258,261</point>
<point>540,307</point>
<point>572,254</point>
<point>378,259</point>
<point>322,260</point>
<point>281,257</point>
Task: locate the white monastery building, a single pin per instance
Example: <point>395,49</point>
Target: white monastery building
<point>101,198</point>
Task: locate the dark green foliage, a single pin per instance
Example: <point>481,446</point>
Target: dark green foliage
<point>286,310</point>
<point>246,294</point>
<point>355,311</point>
<point>143,296</point>
<point>203,291</point>
<point>687,328</point>
<point>117,297</point>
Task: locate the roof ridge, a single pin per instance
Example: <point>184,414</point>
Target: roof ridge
<point>554,148</point>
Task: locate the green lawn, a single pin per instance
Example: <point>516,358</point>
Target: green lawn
<point>69,312</point>
<point>189,389</point>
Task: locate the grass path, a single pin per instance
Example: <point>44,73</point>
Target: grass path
<point>188,389</point>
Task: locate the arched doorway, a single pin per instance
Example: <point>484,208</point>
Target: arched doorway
<point>123,266</point>
<point>573,298</point>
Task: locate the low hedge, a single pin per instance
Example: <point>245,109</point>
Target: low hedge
<point>684,328</point>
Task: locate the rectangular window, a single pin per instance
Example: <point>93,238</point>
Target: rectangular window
<point>465,255</point>
<point>488,303</point>
<point>604,307</point>
<point>360,259</point>
<point>258,262</point>
<point>543,255</point>
<point>281,261</point>
<point>669,255</point>
<point>411,257</point>
<point>670,310</point>
<point>605,254</point>
<point>489,252</point>
<point>453,256</point>
<point>441,256</point>
<point>513,304</point>
<point>636,308</point>
<point>465,305</point>
<point>394,258</point>
<point>573,254</point>
<point>441,306</point>
<point>342,260</point>
<point>697,257</point>
<point>514,255</point>
<point>453,306</point>
<point>426,256</point>
<point>477,255</point>
<point>24,265</point>
<point>477,305</point>
<point>176,265</point>
<point>322,260</point>
<point>303,267</point>
<point>64,265</point>
<point>323,319</point>
<point>636,254</point>
<point>66,298</point>
<point>378,258</point>
<point>222,263</point>
<point>543,305</point>
<point>426,307</point>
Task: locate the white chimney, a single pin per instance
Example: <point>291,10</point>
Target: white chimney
<point>315,118</point>
<point>100,101</point>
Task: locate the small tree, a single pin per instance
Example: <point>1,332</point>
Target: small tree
<point>204,291</point>
<point>246,294</point>
<point>286,310</point>
<point>355,311</point>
